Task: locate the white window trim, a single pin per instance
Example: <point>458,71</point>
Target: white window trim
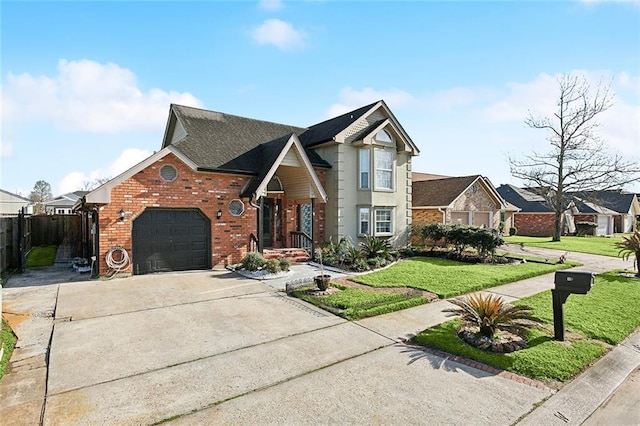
<point>375,170</point>
<point>360,221</point>
<point>362,151</point>
<point>375,220</point>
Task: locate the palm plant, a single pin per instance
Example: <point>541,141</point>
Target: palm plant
<point>375,247</point>
<point>490,313</point>
<point>630,246</point>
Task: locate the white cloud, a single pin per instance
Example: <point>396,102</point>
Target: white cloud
<point>351,99</point>
<point>128,158</point>
<point>6,149</point>
<point>279,33</point>
<point>270,5</point>
<point>88,96</point>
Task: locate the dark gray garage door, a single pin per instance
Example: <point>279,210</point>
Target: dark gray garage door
<point>171,240</point>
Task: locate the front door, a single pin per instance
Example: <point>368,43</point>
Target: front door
<point>267,222</point>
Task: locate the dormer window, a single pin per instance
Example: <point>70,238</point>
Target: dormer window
<point>383,137</point>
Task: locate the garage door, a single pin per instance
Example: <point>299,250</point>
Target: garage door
<point>603,225</point>
<point>171,240</point>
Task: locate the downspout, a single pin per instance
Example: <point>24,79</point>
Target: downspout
<point>444,215</point>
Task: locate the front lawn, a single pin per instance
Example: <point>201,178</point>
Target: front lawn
<point>7,342</point>
<point>41,256</point>
<point>356,303</point>
<point>607,314</point>
<point>604,246</point>
<point>448,278</point>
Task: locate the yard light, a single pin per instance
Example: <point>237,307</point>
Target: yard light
<point>122,214</point>
<point>219,214</point>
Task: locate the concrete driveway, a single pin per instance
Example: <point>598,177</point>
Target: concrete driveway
<point>210,347</point>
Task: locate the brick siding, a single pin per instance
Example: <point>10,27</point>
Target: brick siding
<point>209,192</point>
<point>534,224</point>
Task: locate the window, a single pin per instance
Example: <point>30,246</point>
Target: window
<point>168,173</point>
<point>236,207</point>
<point>384,169</point>
<point>364,221</point>
<point>384,137</point>
<point>383,221</point>
<point>364,169</point>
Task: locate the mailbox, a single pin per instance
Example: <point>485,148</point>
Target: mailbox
<point>577,282</point>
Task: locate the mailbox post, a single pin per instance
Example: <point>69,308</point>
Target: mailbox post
<point>567,282</point>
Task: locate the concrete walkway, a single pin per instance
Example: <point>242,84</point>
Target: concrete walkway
<point>213,347</point>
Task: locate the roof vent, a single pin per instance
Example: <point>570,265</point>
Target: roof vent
<point>168,173</point>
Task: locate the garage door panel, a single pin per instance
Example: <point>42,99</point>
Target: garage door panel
<point>171,240</point>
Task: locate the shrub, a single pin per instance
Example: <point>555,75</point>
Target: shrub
<point>585,228</point>
<point>436,233</point>
<point>272,266</point>
<point>284,264</point>
<point>460,237</point>
<point>253,261</point>
<point>501,227</point>
<point>630,245</point>
<point>485,241</point>
<point>513,231</point>
<point>376,262</point>
<point>360,265</point>
<point>375,247</point>
<point>490,313</point>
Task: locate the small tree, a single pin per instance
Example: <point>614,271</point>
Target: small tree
<point>577,160</point>
<point>41,194</point>
<point>631,246</point>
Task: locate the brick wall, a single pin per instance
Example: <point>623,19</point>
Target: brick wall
<point>423,217</point>
<point>208,192</point>
<point>534,224</point>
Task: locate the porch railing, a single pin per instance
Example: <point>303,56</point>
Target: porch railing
<point>253,242</point>
<point>299,239</point>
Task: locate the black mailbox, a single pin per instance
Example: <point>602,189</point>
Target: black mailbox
<point>577,282</point>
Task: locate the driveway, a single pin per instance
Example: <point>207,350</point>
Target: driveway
<point>211,347</point>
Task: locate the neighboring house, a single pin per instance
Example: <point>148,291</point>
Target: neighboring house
<point>222,185</point>
<point>623,207</point>
<point>535,217</point>
<point>63,204</point>
<point>466,200</point>
<point>12,204</point>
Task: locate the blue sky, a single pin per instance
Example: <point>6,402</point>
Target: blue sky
<point>86,86</point>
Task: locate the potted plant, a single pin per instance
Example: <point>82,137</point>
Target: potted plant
<point>322,280</point>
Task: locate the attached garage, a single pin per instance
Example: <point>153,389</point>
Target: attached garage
<point>604,225</point>
<point>171,239</point>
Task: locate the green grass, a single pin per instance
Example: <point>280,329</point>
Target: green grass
<point>41,256</point>
<point>545,359</point>
<point>355,303</point>
<point>8,342</point>
<point>448,278</point>
<point>609,313</point>
<point>604,246</point>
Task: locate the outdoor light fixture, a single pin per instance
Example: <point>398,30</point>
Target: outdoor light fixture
<point>122,213</point>
<point>219,214</point>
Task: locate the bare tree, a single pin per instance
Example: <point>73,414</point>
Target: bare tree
<point>41,194</point>
<point>578,160</point>
<point>89,185</point>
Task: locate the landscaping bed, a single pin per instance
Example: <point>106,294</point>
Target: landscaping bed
<point>605,316</point>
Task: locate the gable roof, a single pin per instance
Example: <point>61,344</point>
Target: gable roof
<point>617,201</point>
<point>326,130</point>
<point>444,191</point>
<point>526,201</point>
<point>16,196</point>
<point>215,141</point>
<point>68,199</point>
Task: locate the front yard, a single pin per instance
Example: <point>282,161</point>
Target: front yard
<point>416,281</point>
<point>605,316</point>
<point>448,278</point>
<point>604,246</point>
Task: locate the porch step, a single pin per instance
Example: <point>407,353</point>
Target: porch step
<point>294,255</point>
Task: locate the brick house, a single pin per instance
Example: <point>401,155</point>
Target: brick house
<point>223,185</point>
<point>535,218</point>
<point>465,200</point>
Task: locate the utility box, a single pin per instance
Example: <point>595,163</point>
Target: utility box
<point>576,282</point>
